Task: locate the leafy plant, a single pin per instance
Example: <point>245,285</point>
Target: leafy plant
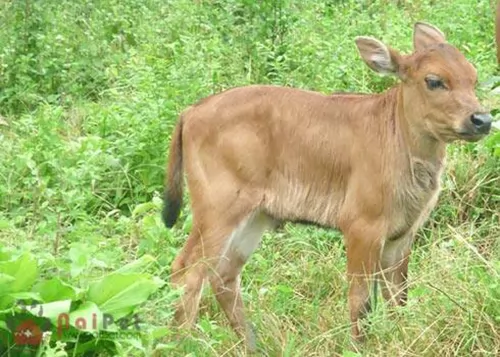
<point>55,318</point>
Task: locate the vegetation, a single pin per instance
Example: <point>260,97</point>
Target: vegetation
<point>90,92</point>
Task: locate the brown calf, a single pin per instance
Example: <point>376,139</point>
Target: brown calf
<point>368,165</point>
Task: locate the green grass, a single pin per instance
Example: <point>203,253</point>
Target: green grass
<point>92,91</point>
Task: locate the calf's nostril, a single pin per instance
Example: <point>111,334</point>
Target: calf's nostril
<point>476,121</point>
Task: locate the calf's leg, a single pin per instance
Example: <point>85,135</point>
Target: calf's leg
<point>218,252</point>
<point>225,279</point>
<point>364,241</point>
<point>394,270</point>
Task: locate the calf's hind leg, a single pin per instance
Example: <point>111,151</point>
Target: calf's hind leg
<point>190,268</point>
<point>225,278</point>
<point>189,274</point>
<point>218,252</point>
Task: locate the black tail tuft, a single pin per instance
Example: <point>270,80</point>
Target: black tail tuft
<point>171,210</point>
<point>172,196</point>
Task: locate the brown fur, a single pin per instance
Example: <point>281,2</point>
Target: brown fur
<point>368,165</point>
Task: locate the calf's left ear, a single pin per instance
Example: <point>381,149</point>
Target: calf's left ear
<point>378,56</point>
<point>425,35</point>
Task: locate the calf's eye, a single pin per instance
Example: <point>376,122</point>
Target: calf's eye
<point>434,83</point>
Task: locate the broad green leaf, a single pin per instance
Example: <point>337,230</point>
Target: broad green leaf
<point>54,289</point>
<point>5,283</point>
<point>4,255</point>
<point>142,208</point>
<point>6,303</point>
<point>51,311</point>
<point>26,295</point>
<point>138,265</point>
<point>23,269</point>
<point>80,255</point>
<point>119,294</point>
<point>88,317</point>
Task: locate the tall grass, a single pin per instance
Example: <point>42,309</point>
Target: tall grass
<point>91,91</point>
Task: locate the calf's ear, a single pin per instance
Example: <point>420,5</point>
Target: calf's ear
<point>425,35</point>
<point>379,57</point>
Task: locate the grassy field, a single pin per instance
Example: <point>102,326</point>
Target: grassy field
<point>91,91</point>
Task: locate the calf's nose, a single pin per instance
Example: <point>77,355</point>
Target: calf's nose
<point>481,122</point>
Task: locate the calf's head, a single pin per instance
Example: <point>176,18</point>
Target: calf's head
<point>438,85</point>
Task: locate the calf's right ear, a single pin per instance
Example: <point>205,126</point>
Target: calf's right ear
<point>378,56</point>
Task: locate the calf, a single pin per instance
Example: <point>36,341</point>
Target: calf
<point>366,164</point>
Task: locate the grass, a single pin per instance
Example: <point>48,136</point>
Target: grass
<point>91,92</point>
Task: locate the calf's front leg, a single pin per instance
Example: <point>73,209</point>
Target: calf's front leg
<point>394,270</point>
<point>364,240</point>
